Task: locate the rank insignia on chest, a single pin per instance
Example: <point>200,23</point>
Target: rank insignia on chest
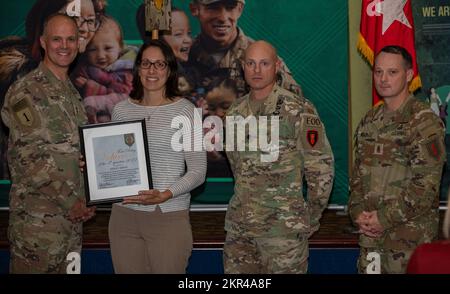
<point>378,149</point>
<point>312,136</point>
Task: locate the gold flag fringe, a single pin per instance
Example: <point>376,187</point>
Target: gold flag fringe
<point>365,49</point>
<point>416,83</point>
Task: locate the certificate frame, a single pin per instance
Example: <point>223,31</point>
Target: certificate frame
<point>117,160</point>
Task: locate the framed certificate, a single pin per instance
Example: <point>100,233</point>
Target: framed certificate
<point>117,160</point>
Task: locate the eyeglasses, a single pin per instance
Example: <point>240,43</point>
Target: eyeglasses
<point>92,23</point>
<point>158,64</point>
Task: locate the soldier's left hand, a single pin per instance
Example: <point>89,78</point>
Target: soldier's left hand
<point>374,222</point>
<point>149,197</point>
<point>369,233</point>
<point>371,226</point>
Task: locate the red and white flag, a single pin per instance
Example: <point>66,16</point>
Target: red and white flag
<point>383,23</point>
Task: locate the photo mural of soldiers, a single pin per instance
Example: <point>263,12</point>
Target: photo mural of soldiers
<point>216,55</point>
<point>209,58</point>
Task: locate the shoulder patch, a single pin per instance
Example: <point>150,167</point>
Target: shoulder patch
<point>312,132</point>
<point>312,137</point>
<point>25,114</point>
<point>312,121</point>
<point>429,124</point>
<point>434,148</point>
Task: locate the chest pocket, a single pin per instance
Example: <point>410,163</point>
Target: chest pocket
<point>287,138</point>
<point>61,123</point>
<point>385,147</point>
<point>385,152</point>
<point>387,157</point>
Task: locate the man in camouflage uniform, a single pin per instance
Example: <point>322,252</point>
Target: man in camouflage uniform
<point>268,222</point>
<point>218,50</point>
<point>399,155</point>
<point>43,112</point>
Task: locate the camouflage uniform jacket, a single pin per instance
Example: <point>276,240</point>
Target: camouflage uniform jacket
<point>43,115</point>
<point>397,171</point>
<point>204,68</point>
<point>268,198</point>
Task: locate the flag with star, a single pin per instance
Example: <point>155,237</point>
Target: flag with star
<point>383,23</point>
<point>157,15</point>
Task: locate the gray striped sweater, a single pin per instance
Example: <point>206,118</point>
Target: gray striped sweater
<point>178,171</point>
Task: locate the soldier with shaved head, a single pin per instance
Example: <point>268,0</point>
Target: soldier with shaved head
<point>43,111</point>
<point>268,221</point>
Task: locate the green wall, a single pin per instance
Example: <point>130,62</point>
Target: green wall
<point>360,74</point>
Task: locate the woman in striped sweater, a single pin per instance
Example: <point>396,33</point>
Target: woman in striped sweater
<point>151,232</point>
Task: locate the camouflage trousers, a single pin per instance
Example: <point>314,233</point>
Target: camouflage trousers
<point>41,245</point>
<point>390,261</point>
<point>275,255</point>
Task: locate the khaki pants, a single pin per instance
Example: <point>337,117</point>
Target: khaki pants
<point>149,242</point>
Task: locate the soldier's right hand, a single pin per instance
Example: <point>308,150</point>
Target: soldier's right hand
<point>81,163</point>
<point>364,222</point>
<point>80,213</point>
